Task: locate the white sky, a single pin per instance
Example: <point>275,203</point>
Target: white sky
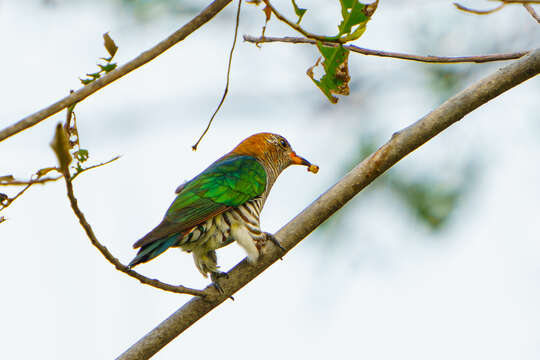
<point>396,290</point>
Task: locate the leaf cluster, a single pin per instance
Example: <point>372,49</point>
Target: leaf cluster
<point>65,143</point>
<point>108,66</point>
<point>336,77</point>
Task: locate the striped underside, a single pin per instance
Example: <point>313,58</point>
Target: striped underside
<point>240,224</point>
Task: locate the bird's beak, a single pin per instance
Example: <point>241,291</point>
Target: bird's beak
<point>298,160</point>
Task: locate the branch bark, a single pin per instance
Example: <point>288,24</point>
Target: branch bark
<point>531,11</point>
<point>204,16</point>
<point>179,289</point>
<point>402,143</point>
<point>381,53</point>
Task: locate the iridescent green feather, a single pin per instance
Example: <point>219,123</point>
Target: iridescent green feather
<point>229,182</point>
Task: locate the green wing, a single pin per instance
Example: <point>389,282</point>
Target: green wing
<point>229,182</point>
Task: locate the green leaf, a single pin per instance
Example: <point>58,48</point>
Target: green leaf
<point>336,77</point>
<point>81,155</point>
<point>86,81</point>
<point>95,75</point>
<point>336,73</point>
<point>354,13</point>
<point>107,68</point>
<point>351,11</point>
<point>298,11</point>
<point>109,45</point>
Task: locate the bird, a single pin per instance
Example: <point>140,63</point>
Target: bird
<point>222,205</point>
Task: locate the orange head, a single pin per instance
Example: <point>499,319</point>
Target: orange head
<point>272,150</point>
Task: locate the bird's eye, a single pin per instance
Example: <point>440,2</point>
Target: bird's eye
<point>283,143</point>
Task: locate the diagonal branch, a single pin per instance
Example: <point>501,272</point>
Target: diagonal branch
<point>381,53</point>
<point>150,54</point>
<point>94,166</point>
<point>9,180</point>
<point>531,11</point>
<point>402,143</point>
<point>293,25</point>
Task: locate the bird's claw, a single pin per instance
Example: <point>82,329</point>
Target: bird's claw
<point>275,241</point>
<point>218,287</point>
<point>215,276</point>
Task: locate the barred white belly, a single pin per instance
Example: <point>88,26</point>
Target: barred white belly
<point>240,224</point>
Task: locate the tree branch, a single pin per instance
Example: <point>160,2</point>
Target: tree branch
<point>381,53</point>
<point>76,96</point>
<point>94,166</point>
<point>6,201</point>
<point>402,143</point>
<point>9,180</point>
<point>6,182</point>
<point>295,26</point>
<point>531,11</point>
<point>479,12</point>
<point>106,253</point>
<point>525,3</point>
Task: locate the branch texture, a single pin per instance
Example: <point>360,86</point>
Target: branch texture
<point>402,143</point>
<point>110,257</point>
<point>381,53</point>
<point>76,96</point>
<point>293,25</point>
<point>531,11</point>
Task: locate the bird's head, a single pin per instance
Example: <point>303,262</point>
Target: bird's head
<point>272,150</point>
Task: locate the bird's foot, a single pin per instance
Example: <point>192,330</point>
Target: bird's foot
<point>215,276</point>
<point>275,241</point>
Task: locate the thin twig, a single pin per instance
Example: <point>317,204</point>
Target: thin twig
<point>8,180</point>
<point>204,16</point>
<point>10,201</point>
<point>532,12</point>
<point>194,147</point>
<point>296,26</point>
<point>479,12</point>
<point>28,182</point>
<point>525,3</point>
<point>95,166</point>
<point>519,1</point>
<point>117,264</point>
<point>420,58</point>
<point>400,145</point>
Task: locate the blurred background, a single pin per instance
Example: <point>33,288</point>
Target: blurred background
<point>437,258</point>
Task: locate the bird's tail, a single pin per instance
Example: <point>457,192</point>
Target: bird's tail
<point>153,249</point>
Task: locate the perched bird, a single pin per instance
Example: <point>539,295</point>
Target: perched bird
<point>222,204</point>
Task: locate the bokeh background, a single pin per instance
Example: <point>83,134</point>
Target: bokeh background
<point>439,258</point>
